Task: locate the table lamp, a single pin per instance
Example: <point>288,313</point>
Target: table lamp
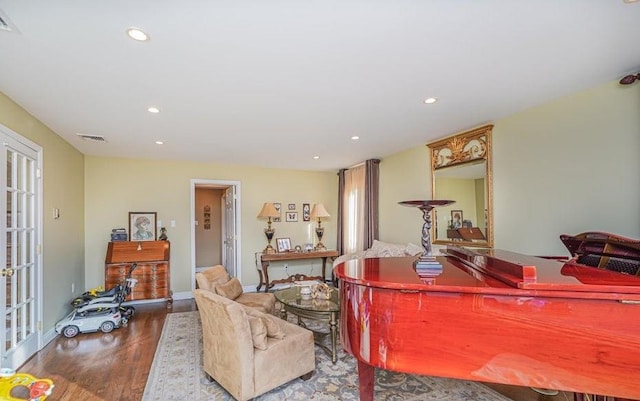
<point>268,211</point>
<point>318,212</point>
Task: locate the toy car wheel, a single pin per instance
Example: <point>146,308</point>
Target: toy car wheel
<point>70,331</point>
<point>107,327</point>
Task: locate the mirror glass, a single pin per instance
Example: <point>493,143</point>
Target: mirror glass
<point>461,171</point>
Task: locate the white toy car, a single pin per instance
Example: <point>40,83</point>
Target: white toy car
<point>105,321</point>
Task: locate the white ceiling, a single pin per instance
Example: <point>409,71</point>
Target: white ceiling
<point>273,83</point>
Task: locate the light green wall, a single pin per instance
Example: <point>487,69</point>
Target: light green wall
<point>463,191</point>
<point>567,166</point>
<point>115,187</point>
<point>63,188</point>
<point>403,176</point>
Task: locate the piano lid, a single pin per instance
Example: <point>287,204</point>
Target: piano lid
<point>531,272</point>
<point>497,272</point>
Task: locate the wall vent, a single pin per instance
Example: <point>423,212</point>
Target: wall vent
<point>92,138</point>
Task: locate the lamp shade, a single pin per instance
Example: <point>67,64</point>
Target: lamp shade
<point>319,211</point>
<point>268,210</point>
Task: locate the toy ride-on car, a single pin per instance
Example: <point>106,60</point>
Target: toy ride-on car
<point>75,322</point>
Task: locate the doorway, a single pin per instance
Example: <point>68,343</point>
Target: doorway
<point>20,230</point>
<point>215,228</point>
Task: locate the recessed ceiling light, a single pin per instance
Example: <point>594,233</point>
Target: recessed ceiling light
<point>355,137</point>
<point>630,1</point>
<point>153,110</point>
<point>430,100</point>
<point>316,157</point>
<point>159,143</point>
<point>138,34</point>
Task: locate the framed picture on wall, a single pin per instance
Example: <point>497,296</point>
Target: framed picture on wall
<point>292,216</point>
<point>306,212</point>
<point>456,218</point>
<point>142,226</point>
<point>278,207</point>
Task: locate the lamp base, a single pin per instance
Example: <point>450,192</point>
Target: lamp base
<point>320,247</point>
<point>269,249</point>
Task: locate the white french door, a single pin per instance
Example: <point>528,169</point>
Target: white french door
<point>20,334</point>
<point>229,231</point>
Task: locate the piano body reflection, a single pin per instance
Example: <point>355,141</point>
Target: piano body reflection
<point>494,316</point>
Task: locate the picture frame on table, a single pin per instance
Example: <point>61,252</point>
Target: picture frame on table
<point>143,226</point>
<point>283,244</point>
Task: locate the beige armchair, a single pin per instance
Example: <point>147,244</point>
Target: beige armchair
<point>249,352</point>
<point>216,279</point>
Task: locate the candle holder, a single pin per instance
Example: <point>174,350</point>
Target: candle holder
<point>426,260</point>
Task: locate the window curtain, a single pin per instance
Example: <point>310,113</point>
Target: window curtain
<point>358,206</point>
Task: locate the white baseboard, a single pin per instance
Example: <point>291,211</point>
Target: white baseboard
<point>48,337</point>
<point>182,295</point>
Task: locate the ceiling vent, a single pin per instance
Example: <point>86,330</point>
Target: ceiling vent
<point>6,24</point>
<point>92,138</point>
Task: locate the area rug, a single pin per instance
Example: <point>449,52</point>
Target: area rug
<point>177,374</point>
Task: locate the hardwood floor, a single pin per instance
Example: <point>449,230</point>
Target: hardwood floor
<point>115,366</point>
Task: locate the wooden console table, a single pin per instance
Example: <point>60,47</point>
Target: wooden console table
<point>265,258</point>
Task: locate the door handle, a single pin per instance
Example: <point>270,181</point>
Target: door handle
<point>7,272</point>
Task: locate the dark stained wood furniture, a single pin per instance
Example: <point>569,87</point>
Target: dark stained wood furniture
<point>494,316</point>
<point>266,258</point>
<point>604,251</point>
<point>152,271</point>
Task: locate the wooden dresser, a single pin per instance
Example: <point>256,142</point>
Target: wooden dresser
<point>152,271</point>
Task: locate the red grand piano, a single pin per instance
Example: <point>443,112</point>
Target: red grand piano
<point>494,316</point>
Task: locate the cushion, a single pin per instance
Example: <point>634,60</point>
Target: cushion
<point>272,323</point>
<point>258,332</point>
<point>210,278</point>
<point>232,289</point>
<point>386,249</point>
<point>413,249</point>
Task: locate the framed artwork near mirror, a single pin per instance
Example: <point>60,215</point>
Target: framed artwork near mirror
<point>461,170</point>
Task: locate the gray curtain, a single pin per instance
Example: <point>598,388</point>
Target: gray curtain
<point>371,217</point>
<point>371,202</point>
<point>340,237</point>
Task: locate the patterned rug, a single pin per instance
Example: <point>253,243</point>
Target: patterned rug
<point>177,374</point>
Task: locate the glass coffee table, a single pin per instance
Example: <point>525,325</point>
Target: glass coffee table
<point>322,310</point>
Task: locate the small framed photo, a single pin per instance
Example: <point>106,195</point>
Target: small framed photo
<point>278,207</point>
<point>292,216</point>
<point>291,206</point>
<point>142,226</point>
<point>306,211</point>
<point>456,218</point>
<point>283,244</point>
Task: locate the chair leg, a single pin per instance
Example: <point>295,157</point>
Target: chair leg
<point>307,376</point>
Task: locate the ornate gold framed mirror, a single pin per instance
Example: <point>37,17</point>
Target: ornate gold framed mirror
<point>461,171</point>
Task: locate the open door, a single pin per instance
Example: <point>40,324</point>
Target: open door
<point>227,223</point>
